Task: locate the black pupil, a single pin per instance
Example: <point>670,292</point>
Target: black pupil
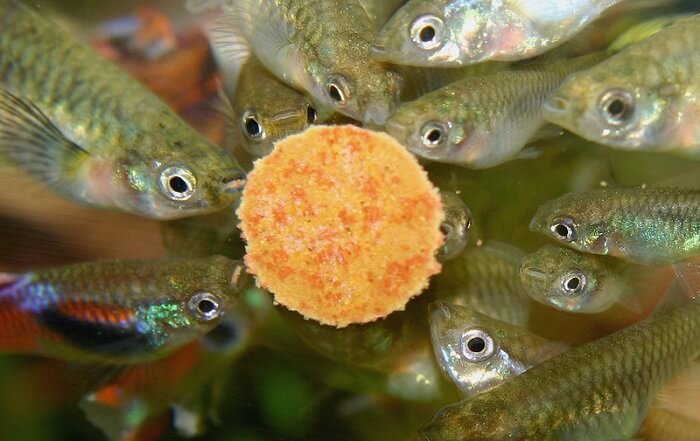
<point>562,230</point>
<point>469,224</point>
<point>476,344</point>
<point>206,306</point>
<point>252,127</point>
<point>426,34</point>
<point>573,283</point>
<point>334,92</point>
<point>445,228</point>
<point>617,108</point>
<point>433,135</point>
<point>178,185</point>
<point>310,114</point>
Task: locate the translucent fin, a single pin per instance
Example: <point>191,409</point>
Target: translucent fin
<point>643,31</point>
<point>663,425</point>
<point>547,131</point>
<point>530,152</point>
<point>684,288</point>
<point>31,141</point>
<point>197,6</point>
<point>681,395</point>
<point>231,44</point>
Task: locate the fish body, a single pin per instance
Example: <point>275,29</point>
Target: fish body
<point>452,33</point>
<point>479,353</point>
<point>117,312</point>
<point>598,391</point>
<point>486,279</point>
<point>572,281</point>
<point>95,135</point>
<point>483,121</point>
<point>455,227</point>
<point>321,47</point>
<point>264,109</point>
<point>645,225</point>
<point>643,98</point>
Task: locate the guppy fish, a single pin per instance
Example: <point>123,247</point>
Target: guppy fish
<point>95,135</point>
<point>646,225</point>
<point>117,312</point>
<point>598,391</point>
<point>485,279</point>
<point>483,121</point>
<point>455,227</point>
<point>643,98</point>
<point>264,109</point>
<point>460,32</point>
<point>572,281</point>
<point>318,46</point>
<point>479,353</point>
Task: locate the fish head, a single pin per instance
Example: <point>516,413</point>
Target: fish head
<point>567,279</point>
<point>453,33</point>
<point>261,126</point>
<point>455,227</point>
<point>475,351</point>
<point>575,223</point>
<point>622,111</point>
<point>200,293</point>
<point>424,130</point>
<point>177,174</point>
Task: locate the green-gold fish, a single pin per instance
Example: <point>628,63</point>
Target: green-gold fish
<point>116,312</point>
<point>573,281</point>
<point>460,32</point>
<point>264,109</point>
<point>486,279</point>
<point>643,98</point>
<point>318,46</point>
<point>599,391</point>
<point>478,352</point>
<point>95,135</point>
<point>483,121</point>
<point>455,227</point>
<point>646,225</point>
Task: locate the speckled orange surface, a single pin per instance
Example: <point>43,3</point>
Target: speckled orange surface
<point>341,224</point>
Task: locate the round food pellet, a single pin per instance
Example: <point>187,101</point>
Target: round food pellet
<point>341,224</point>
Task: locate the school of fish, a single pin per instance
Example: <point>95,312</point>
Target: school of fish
<point>470,87</point>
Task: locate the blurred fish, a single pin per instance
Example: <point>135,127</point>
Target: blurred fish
<point>455,227</point>
<point>598,391</point>
<point>479,353</point>
<point>264,109</point>
<point>117,312</point>
<point>646,225</point>
<point>644,30</point>
<point>572,281</point>
<point>318,46</point>
<point>459,32</point>
<point>95,135</point>
<point>643,98</point>
<point>486,279</point>
<point>483,121</point>
<point>379,11</point>
<point>203,236</point>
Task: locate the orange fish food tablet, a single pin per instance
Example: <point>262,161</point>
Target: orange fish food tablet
<point>341,224</point>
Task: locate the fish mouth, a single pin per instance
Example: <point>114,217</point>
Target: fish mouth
<point>397,131</point>
<point>533,272</point>
<point>377,49</point>
<point>235,184</point>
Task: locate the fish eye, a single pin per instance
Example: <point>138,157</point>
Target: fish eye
<point>573,282</point>
<point>205,306</point>
<point>446,228</point>
<point>617,106</point>
<point>469,224</point>
<point>433,134</point>
<point>338,88</point>
<point>564,229</point>
<point>251,126</point>
<point>477,345</point>
<point>177,182</point>
<point>426,31</point>
<point>311,114</point>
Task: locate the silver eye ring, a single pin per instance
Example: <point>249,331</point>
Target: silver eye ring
<point>251,126</point>
<point>205,306</point>
<point>433,134</point>
<point>564,229</point>
<point>426,31</point>
<point>573,283</point>
<point>177,182</point>
<point>617,106</point>
<point>477,345</point>
<point>338,89</point>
